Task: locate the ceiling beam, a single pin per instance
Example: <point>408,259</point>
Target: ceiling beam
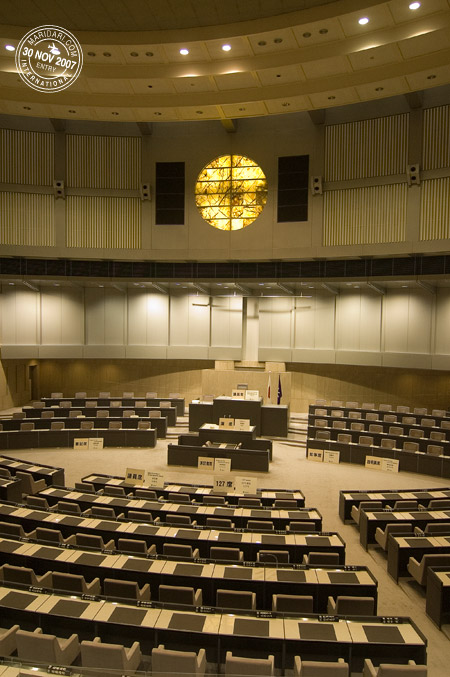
<point>229,125</point>
<point>145,128</point>
<point>317,116</point>
<point>414,99</point>
<point>58,125</point>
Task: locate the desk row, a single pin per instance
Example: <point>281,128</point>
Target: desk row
<point>385,638</point>
<point>410,461</point>
<point>236,516</point>
<point>54,423</point>
<point>126,399</point>
<point>370,412</point>
<point>29,439</point>
<point>391,439</point>
<point>249,543</point>
<point>309,587</point>
<point>196,492</point>
<point>349,498</point>
<point>51,474</point>
<point>113,412</point>
<point>369,522</point>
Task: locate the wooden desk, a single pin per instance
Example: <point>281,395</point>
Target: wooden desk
<point>369,521</point>
<point>437,603</point>
<point>51,474</point>
<point>349,498</point>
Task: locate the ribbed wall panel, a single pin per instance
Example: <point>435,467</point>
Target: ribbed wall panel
<point>103,162</point>
<point>26,157</point>
<point>27,219</point>
<point>365,215</point>
<point>103,222</point>
<point>359,150</point>
<point>436,138</point>
<point>435,209</point>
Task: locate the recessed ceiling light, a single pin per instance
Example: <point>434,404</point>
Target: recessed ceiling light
<point>379,89</point>
<point>157,113</point>
<point>262,43</point>
<point>114,112</point>
<point>286,104</point>
<point>363,21</point>
<point>278,75</point>
<point>431,77</point>
<point>148,53</point>
<point>331,98</point>
<point>323,31</point>
<point>91,53</point>
<point>226,48</point>
<point>184,51</point>
<point>199,112</point>
<point>10,48</point>
<point>134,53</point>
<point>26,108</point>
<point>106,53</point>
<point>414,5</point>
<point>306,35</point>
<point>242,108</point>
<point>278,40</point>
<point>72,111</point>
<point>150,86</point>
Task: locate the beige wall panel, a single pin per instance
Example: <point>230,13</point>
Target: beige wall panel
<point>105,316</point>
<point>408,321</point>
<point>189,324</point>
<point>275,320</point>
<point>27,219</point>
<point>314,322</point>
<point>60,351</point>
<point>148,318</point>
<point>62,316</point>
<point>103,222</point>
<point>14,383</point>
<point>436,137</point>
<point>367,215</point>
<point>396,312</point>
<point>442,340</point>
<point>358,320</point>
<point>20,316</point>
<point>226,322</point>
<point>103,161</point>
<point>366,148</point>
<point>26,157</point>
<point>435,209</point>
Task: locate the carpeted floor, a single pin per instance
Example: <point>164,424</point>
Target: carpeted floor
<point>320,483</point>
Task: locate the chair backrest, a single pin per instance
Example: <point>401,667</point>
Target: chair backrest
<point>355,606</point>
<point>323,434</point>
<point>87,425</point>
<point>177,497</point>
<point>48,414</point>
<point>140,515</point>
<point>445,425</point>
<point>337,403</point>
<point>115,404</point>
<point>12,529</point>
<point>128,413</point>
<point>151,395</point>
<point>372,416</point>
<point>90,541</point>
<point>27,481</point>
<point>370,506</point>
<point>103,511</point>
<point>247,502</point>
<point>416,432</point>
<point>357,426</point>
<point>320,412</point>
<point>439,412</point>
<point>57,425</point>
<point>428,422</point>
<point>422,411</point>
<point>174,518</point>
<point>18,575</point>
<point>406,505</point>
<point>146,493</point>
<point>27,425</point>
<point>177,550</point>
<point>322,558</point>
<point>111,490</point>
<point>303,604</point>
<point>18,414</point>
<point>302,527</point>
<point>385,407</point>
<point>133,546</point>
<point>214,500</point>
<point>4,472</point>
<point>219,523</point>
<point>390,418</point>
<point>66,506</point>
<point>102,413</point>
<point>91,404</point>
<point>143,425</point>
<point>235,599</point>
<point>167,662</point>
<point>351,404</point>
<point>38,405</point>
<point>140,403</point>
<point>321,668</point>
<point>284,503</point>
<point>438,528</point>
<point>118,589</point>
<point>435,450</point>
<point>402,409</point>
<point>437,435</point>
<point>337,413</point>
<point>436,503</point>
<point>226,554</point>
<point>102,655</point>
<point>85,487</point>
<point>154,414</point>
<point>65,404</point>
<point>375,428</point>
<point>410,446</point>
<point>81,395</point>
<point>68,582</point>
<point>345,438</point>
<point>368,405</point>
<point>75,413</point>
<point>127,394</point>
<point>354,414</point>
<point>115,425</point>
<point>395,670</point>
<point>321,423</point>
<point>387,443</point>
<point>104,394</point>
<point>176,594</point>
<point>366,440</point>
<point>262,667</point>
<point>260,525</point>
<point>35,646</point>
<point>37,502</point>
<point>339,424</point>
<point>273,556</point>
<point>395,430</point>
<point>48,535</point>
<point>320,401</point>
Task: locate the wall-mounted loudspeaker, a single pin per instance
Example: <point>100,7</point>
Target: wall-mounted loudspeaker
<point>413,174</point>
<point>145,191</point>
<point>58,189</point>
<point>316,185</point>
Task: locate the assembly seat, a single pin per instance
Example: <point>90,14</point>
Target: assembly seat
<point>68,508</point>
<point>98,654</point>
<point>301,604</point>
<point>382,537</point>
<point>52,537</point>
<point>285,504</point>
<point>48,649</point>
<point>177,497</point>
<point>320,668</point>
<point>176,520</point>
<point>260,525</point>
<point>37,502</point>
<point>179,594</point>
<point>431,529</point>
<point>141,516</point>
<point>103,512</point>
<point>93,541</point>
<point>249,502</point>
<point>86,488</point>
<point>226,554</point>
<point>235,599</point>
<point>368,506</point>
<point>219,523</point>
<point>8,644</point>
<point>234,665</point>
<point>406,505</point>
<point>319,558</point>
<point>120,591</point>
<point>29,484</point>
<point>346,605</point>
<point>75,583</point>
<point>419,570</point>
<point>394,670</point>
<point>110,490</point>
<point>214,500</point>
<point>273,556</point>
<point>12,530</point>
<point>166,662</point>
<point>180,551</point>
<point>135,547</point>
<point>24,577</point>
<point>146,493</point>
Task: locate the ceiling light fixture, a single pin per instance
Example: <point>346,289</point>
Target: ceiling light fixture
<point>262,43</point>
<point>431,77</point>
<point>226,48</point>
<point>331,98</point>
<point>323,31</point>
<point>106,53</point>
<point>148,53</point>
<point>379,89</point>
<point>72,111</point>
<point>184,51</point>
<point>10,48</point>
<point>414,5</point>
<point>306,35</point>
<point>277,41</point>
<point>91,53</point>
<point>134,53</point>
<point>363,21</point>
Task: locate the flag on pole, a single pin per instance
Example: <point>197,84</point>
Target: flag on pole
<point>280,392</point>
<point>269,385</point>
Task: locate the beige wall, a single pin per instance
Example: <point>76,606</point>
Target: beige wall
<point>416,388</point>
<point>15,387</point>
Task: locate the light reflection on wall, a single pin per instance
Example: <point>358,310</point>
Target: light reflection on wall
<point>231,192</point>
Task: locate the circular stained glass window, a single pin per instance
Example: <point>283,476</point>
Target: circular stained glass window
<point>231,192</point>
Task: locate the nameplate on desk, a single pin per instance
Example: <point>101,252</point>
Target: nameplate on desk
<point>226,422</point>
<point>373,462</point>
<point>315,455</point>
<point>390,464</point>
<point>238,393</point>
<point>155,479</point>
<point>205,463</point>
<point>245,485</point>
<point>252,394</point>
<point>223,483</point>
<point>135,476</point>
<point>331,456</point>
<point>222,465</point>
<point>81,443</point>
<point>242,423</point>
